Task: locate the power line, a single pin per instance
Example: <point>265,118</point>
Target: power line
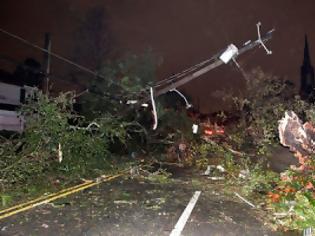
<point>83,68</point>
<point>185,72</point>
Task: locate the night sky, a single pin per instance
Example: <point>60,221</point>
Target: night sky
<point>182,32</point>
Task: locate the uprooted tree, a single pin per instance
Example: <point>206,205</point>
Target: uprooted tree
<point>61,143</point>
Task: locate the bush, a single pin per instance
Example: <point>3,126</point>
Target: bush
<point>263,103</point>
<point>291,197</point>
<point>121,80</point>
<point>37,152</point>
<point>294,198</point>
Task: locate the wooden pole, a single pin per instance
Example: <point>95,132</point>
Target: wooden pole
<point>47,62</point>
<point>217,62</point>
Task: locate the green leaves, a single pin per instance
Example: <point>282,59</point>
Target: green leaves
<point>262,104</point>
<point>125,79</point>
<point>296,198</point>
<point>5,200</point>
<point>85,150</point>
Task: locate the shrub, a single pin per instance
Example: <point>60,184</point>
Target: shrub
<point>294,198</point>
<point>263,103</point>
<point>37,152</point>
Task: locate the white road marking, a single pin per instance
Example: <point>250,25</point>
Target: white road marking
<point>185,215</point>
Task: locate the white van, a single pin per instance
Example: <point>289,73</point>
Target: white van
<point>13,96</point>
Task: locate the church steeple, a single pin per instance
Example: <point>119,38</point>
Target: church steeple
<point>307,58</point>
<point>307,75</point>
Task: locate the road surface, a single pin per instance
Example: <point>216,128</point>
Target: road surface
<point>139,207</point>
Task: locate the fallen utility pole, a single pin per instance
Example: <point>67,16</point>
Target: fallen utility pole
<point>223,57</point>
<point>216,61</point>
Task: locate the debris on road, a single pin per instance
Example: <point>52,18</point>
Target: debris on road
<point>220,168</point>
<point>208,170</point>
<point>216,178</point>
<point>244,200</point>
<point>244,174</point>
<point>211,168</point>
<point>129,202</point>
<point>46,226</point>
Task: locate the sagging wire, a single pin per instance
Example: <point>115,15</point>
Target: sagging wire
<point>215,57</point>
<point>188,105</point>
<point>244,74</point>
<point>83,68</point>
<point>204,63</point>
<point>184,72</point>
<point>155,124</point>
<point>66,60</point>
<point>159,83</point>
